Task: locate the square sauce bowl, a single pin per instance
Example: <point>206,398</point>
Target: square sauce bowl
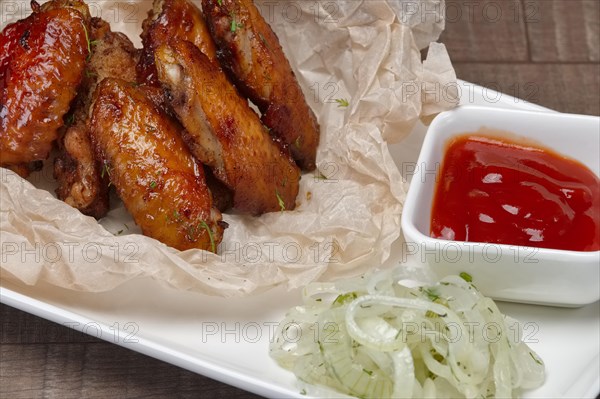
<point>506,272</point>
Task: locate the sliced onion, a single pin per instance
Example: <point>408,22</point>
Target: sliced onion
<point>353,337</point>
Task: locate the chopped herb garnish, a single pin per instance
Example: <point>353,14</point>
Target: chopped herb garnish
<point>220,2</point>
<point>87,39</point>
<point>262,39</point>
<point>536,359</point>
<point>431,294</point>
<point>431,314</point>
<point>344,298</point>
<point>466,276</point>
<point>234,24</point>
<point>175,216</point>
<point>280,200</point>
<point>302,392</point>
<point>437,356</point>
<point>119,232</point>
<point>210,236</point>
<point>106,170</point>
<point>320,175</point>
<point>298,142</point>
<point>369,372</point>
<point>152,185</point>
<point>342,102</point>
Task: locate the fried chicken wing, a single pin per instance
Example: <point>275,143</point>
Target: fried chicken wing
<point>156,176</point>
<point>42,59</point>
<point>80,181</point>
<point>172,19</point>
<point>224,133</point>
<point>251,54</point>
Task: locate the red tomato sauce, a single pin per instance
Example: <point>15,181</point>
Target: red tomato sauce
<point>493,191</point>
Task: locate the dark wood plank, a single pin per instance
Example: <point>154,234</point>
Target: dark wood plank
<point>98,370</point>
<point>563,30</point>
<point>15,360</point>
<point>18,327</point>
<point>485,30</point>
<point>571,88</point>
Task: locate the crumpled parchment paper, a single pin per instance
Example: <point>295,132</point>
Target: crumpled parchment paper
<point>364,52</point>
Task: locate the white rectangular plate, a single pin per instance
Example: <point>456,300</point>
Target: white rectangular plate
<point>228,339</point>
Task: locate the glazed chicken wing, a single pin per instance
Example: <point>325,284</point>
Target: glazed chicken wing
<point>42,59</point>
<point>172,19</point>
<point>80,181</point>
<point>224,133</point>
<point>251,54</point>
<point>177,19</point>
<point>156,176</point>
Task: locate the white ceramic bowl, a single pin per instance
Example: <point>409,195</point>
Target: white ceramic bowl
<point>505,272</point>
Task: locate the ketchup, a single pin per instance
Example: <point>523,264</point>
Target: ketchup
<point>494,191</point>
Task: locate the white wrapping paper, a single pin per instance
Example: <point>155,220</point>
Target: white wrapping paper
<point>364,52</point>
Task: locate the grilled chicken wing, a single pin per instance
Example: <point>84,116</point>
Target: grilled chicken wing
<point>80,180</point>
<point>172,19</point>
<point>42,59</point>
<point>177,19</point>
<point>224,133</point>
<point>156,176</point>
<point>251,54</point>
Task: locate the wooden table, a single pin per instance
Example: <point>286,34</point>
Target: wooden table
<point>545,51</point>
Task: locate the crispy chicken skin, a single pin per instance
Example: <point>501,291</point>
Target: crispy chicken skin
<point>172,19</point>
<point>156,176</point>
<point>80,180</point>
<point>42,59</point>
<point>252,56</point>
<point>224,133</point>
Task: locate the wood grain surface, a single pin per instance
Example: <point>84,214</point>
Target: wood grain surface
<point>545,51</point>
